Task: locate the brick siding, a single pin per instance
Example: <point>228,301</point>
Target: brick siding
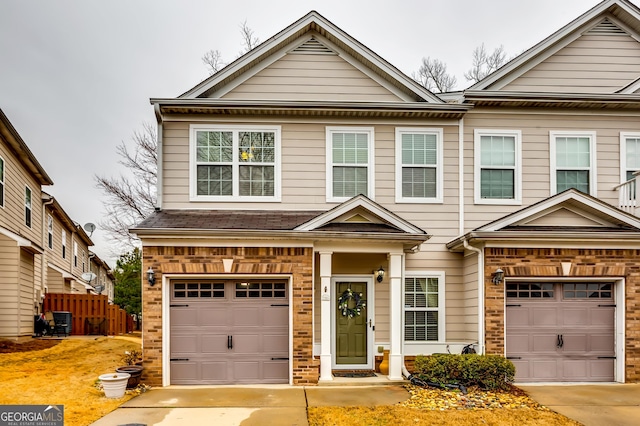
<point>539,263</point>
<point>259,261</point>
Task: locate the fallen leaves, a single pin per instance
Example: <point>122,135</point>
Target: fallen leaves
<point>475,399</point>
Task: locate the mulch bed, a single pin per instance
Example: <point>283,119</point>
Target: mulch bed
<point>10,346</point>
<point>354,373</point>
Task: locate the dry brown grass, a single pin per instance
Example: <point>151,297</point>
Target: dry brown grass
<point>64,374</point>
<point>400,416</point>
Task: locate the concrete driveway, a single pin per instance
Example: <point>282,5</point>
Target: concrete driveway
<point>246,406</point>
<point>608,404</point>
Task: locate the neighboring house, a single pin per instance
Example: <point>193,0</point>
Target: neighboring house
<point>103,282</point>
<point>21,228</point>
<point>310,165</point>
<point>65,243</point>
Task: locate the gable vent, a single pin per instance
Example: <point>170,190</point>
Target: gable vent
<point>314,47</point>
<point>606,27</point>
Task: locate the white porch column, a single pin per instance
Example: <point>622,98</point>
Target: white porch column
<point>395,314</point>
<point>325,316</point>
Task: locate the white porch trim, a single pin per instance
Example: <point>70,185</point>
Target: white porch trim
<point>396,358</point>
<point>325,314</point>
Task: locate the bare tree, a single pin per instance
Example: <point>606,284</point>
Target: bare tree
<point>128,200</point>
<point>433,75</point>
<point>484,64</point>
<point>213,60</point>
<point>249,41</point>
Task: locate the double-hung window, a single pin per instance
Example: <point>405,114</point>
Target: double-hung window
<point>573,161</point>
<point>498,174</point>
<point>64,244</point>
<point>349,162</point>
<point>424,307</point>
<point>75,254</point>
<point>50,231</point>
<point>629,159</point>
<point>419,165</point>
<point>27,206</point>
<point>235,163</point>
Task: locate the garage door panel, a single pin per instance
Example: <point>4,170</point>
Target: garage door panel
<point>575,369</point>
<point>602,316</point>
<point>202,327</point>
<point>575,342</point>
<point>517,343</point>
<point>545,317</point>
<point>575,316</point>
<point>602,369</point>
<point>603,343</point>
<point>544,369</point>
<point>518,316</point>
<point>544,343</point>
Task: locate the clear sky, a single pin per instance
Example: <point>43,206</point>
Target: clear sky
<point>76,75</point>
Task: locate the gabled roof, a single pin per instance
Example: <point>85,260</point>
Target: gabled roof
<point>314,23</point>
<point>22,151</point>
<point>623,12</point>
<point>569,215</point>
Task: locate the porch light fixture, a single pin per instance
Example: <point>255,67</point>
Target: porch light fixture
<point>498,276</point>
<point>380,274</point>
<point>151,276</point>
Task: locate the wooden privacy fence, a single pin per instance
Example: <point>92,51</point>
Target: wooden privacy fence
<point>90,314</point>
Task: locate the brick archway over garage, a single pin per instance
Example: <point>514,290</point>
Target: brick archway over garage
<point>247,261</point>
<point>536,263</point>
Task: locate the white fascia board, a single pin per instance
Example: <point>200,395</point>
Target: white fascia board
<point>21,241</point>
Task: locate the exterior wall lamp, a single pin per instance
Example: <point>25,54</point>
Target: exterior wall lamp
<point>151,276</point>
<point>498,276</point>
<point>380,274</point>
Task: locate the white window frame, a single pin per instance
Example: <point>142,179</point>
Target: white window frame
<point>593,176</point>
<point>28,207</point>
<point>2,185</point>
<point>83,257</point>
<point>75,254</point>
<point>50,231</point>
<point>438,166</point>
<point>235,197</point>
<point>330,130</point>
<point>517,168</point>
<point>63,236</point>
<point>623,152</point>
<point>440,275</point>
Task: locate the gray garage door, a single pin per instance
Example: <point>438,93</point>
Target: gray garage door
<point>561,332</point>
<point>229,332</point>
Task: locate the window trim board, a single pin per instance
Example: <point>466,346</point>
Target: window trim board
<point>593,169</point>
<point>440,275</point>
<point>477,167</point>
<point>439,132</point>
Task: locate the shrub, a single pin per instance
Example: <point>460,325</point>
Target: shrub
<point>486,371</point>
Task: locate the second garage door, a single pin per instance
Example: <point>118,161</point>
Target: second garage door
<point>229,332</point>
<point>561,332</point>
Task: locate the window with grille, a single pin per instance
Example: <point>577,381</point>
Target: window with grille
<point>419,165</point>
<point>573,162</point>
<point>235,163</point>
<point>349,163</point>
<point>198,290</point>
<point>262,290</point>
<point>530,290</point>
<point>423,308</point>
<point>587,290</point>
<point>497,166</point>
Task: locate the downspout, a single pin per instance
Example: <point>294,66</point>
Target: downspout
<point>461,176</point>
<point>467,246</point>
<point>43,268</point>
<point>159,167</point>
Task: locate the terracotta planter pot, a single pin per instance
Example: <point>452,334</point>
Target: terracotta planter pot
<point>135,371</point>
<point>114,384</point>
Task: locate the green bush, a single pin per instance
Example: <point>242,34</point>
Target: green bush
<point>486,371</point>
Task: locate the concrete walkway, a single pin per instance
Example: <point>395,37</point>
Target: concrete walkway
<point>591,405</point>
<point>246,406</point>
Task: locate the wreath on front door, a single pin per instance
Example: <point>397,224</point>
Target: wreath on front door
<point>345,301</point>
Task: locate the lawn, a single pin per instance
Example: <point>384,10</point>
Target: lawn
<point>66,374</point>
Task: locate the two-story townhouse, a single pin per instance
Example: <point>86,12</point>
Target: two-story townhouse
<point>314,204</point>
<point>62,251</point>
<point>21,229</point>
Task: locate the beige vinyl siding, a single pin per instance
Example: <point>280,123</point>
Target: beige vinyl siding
<point>26,279</point>
<point>54,256</point>
<point>535,126</point>
<point>470,294</point>
<point>590,64</point>
<point>311,77</point>
<point>55,282</point>
<point>9,287</point>
<point>12,214</point>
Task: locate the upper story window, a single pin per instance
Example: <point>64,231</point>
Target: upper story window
<point>1,182</point>
<point>498,174</point>
<point>75,254</point>
<point>349,162</point>
<point>573,161</point>
<point>629,155</point>
<point>50,231</point>
<point>83,260</point>
<point>235,163</point>
<point>424,307</point>
<point>419,165</point>
<point>64,244</point>
<point>27,206</point>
